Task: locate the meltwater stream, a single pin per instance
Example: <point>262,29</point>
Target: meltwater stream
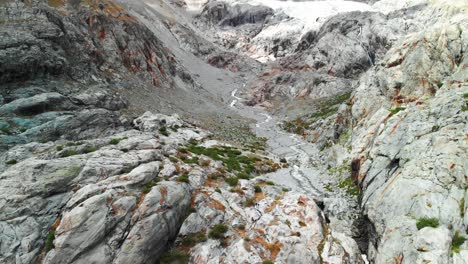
<point>302,156</point>
<point>306,171</point>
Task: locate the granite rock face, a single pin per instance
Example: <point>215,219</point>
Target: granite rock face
<point>86,198</point>
<point>69,68</point>
<point>101,160</point>
<point>125,198</point>
<point>411,150</point>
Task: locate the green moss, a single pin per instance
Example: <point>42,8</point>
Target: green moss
<point>232,158</point>
<point>183,178</point>
<point>232,164</point>
<point>396,110</point>
<point>49,243</point>
<point>427,222</point>
<point>175,256</point>
<point>218,231</point>
<point>247,160</point>
<point>348,185</point>
<point>72,152</point>
<point>457,241</point>
<point>249,202</point>
<point>115,141</point>
<point>270,183</point>
<point>336,100</point>
<point>147,187</point>
<point>257,189</point>
<point>326,108</point>
<point>268,262</point>
<point>163,131</point>
<point>193,160</point>
<point>193,239</point>
<point>6,131</point>
<point>243,175</point>
<point>344,137</point>
<point>213,153</point>
<point>232,181</point>
<point>11,162</point>
<point>462,207</point>
<point>69,153</point>
<point>88,150</point>
<point>285,190</point>
<point>173,159</point>
<point>341,170</point>
<point>74,144</point>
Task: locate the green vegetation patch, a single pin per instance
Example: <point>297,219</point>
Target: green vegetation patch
<point>73,152</point>
<point>232,158</point>
<point>193,239</point>
<point>257,189</point>
<point>218,231</point>
<point>183,178</point>
<point>175,256</point>
<point>147,187</point>
<point>348,185</point>
<point>232,181</point>
<point>89,150</point>
<point>427,222</point>
<point>249,202</point>
<point>394,111</point>
<point>49,243</point>
<point>163,131</point>
<point>11,162</point>
<point>193,160</point>
<point>74,144</point>
<point>116,141</point>
<point>6,130</point>
<point>457,241</point>
<point>341,170</point>
<point>69,153</point>
<point>462,207</point>
<point>326,108</point>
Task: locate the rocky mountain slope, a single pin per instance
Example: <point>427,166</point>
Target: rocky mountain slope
<point>234,131</point>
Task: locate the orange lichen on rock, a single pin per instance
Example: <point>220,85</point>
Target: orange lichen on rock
<point>272,206</point>
<point>217,205</point>
<point>273,248</point>
<point>303,200</point>
<point>163,191</point>
<point>56,3</point>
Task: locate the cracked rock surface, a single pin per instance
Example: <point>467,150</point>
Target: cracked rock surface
<point>233,131</point>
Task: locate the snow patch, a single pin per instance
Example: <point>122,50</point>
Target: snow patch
<point>310,13</point>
